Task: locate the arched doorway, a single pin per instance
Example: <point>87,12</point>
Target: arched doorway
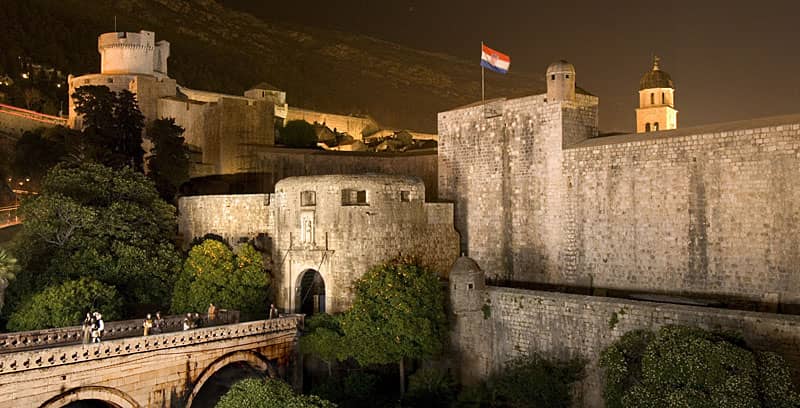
<point>311,296</point>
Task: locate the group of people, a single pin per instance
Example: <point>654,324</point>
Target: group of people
<point>93,327</point>
<point>153,326</point>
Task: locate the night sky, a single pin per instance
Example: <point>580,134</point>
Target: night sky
<point>730,60</point>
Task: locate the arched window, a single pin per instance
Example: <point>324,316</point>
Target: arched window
<point>652,98</point>
<point>663,99</point>
<point>655,127</point>
<point>647,127</point>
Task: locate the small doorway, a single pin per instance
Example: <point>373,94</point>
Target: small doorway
<point>311,299</point>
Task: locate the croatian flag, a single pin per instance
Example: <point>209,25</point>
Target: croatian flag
<point>494,60</point>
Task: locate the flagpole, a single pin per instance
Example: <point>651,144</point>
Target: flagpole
<point>482,76</point>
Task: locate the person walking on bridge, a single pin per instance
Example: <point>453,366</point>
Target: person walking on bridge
<point>87,328</point>
<point>147,325</point>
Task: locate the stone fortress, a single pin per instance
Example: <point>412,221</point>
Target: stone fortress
<point>616,232</point>
<point>322,232</point>
<point>227,134</point>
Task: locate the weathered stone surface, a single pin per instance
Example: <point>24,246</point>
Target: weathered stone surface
<point>155,371</point>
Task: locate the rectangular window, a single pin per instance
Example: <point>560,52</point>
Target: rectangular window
<point>354,197</point>
<point>663,99</point>
<point>652,98</point>
<point>308,198</point>
<point>405,196</point>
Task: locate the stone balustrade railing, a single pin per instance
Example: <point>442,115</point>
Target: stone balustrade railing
<point>9,216</point>
<point>19,341</point>
<point>70,354</point>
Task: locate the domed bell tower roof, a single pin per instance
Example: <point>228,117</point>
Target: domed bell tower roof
<point>656,78</point>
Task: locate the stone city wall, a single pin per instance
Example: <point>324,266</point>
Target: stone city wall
<point>234,217</point>
<point>278,163</point>
<point>500,164</point>
<point>15,121</point>
<point>565,326</point>
<point>711,211</point>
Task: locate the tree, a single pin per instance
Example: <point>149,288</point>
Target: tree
<point>269,393</point>
<point>298,133</point>
<point>92,221</point>
<point>691,367</point>
<point>533,381</point>
<point>8,269</point>
<point>324,338</point>
<point>398,313</point>
<point>169,160</point>
<point>212,273</point>
<point>112,125</point>
<point>65,305</point>
<point>36,152</point>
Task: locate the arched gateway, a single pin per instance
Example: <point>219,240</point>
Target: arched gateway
<point>311,293</point>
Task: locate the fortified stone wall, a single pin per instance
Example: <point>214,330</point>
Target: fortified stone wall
<point>352,125</point>
<point>278,163</point>
<point>710,210</point>
<point>236,218</point>
<point>342,241</point>
<point>16,121</point>
<point>500,163</point>
<point>563,326</point>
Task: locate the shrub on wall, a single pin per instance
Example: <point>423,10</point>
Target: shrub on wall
<point>298,133</point>
<point>683,366</point>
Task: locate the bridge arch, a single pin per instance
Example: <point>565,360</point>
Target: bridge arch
<point>116,398</point>
<point>256,360</point>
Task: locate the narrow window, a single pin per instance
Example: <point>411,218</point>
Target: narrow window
<point>405,196</point>
<point>566,76</point>
<point>647,127</point>
<point>655,127</point>
<point>354,197</point>
<point>469,286</point>
<point>553,77</point>
<point>308,198</point>
<point>652,98</point>
<point>663,99</point>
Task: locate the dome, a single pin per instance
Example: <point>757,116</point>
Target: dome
<point>464,266</point>
<point>560,66</point>
<point>656,78</point>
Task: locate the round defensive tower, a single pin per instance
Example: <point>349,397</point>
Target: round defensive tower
<point>467,285</point>
<point>560,81</point>
<point>132,53</point>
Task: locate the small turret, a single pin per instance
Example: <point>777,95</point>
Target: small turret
<point>467,286</point>
<point>560,82</point>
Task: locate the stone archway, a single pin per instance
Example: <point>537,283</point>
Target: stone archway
<point>252,358</point>
<point>310,298</point>
<point>114,397</point>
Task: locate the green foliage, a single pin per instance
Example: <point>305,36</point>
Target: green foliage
<point>533,381</point>
<point>66,305</point>
<point>487,311</point>
<point>213,274</point>
<point>8,266</point>
<point>324,338</point>
<point>93,221</point>
<point>36,152</point>
<point>357,389</point>
<point>475,396</point>
<point>613,320</point>
<point>255,393</point>
<point>684,366</point>
<point>169,160</point>
<point>398,313</point>
<point>298,133</point>
<point>112,126</point>
<point>430,387</point>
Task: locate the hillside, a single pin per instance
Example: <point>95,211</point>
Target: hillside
<point>215,48</point>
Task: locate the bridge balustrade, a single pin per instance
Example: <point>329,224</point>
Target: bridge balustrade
<point>69,354</point>
<point>9,216</point>
<point>19,341</point>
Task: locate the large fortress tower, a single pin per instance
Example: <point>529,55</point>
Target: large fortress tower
<point>132,53</point>
<point>656,101</point>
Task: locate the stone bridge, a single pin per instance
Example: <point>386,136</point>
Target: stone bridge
<point>164,370</point>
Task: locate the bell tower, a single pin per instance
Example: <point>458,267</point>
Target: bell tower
<point>656,109</point>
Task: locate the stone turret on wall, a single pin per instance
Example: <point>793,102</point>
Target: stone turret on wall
<point>472,328</point>
<point>560,81</point>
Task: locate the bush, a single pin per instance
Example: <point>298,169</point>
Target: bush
<point>683,366</point>
<point>533,381</point>
<point>298,133</point>
<point>430,387</point>
<point>357,389</point>
<point>66,305</point>
<point>269,393</point>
